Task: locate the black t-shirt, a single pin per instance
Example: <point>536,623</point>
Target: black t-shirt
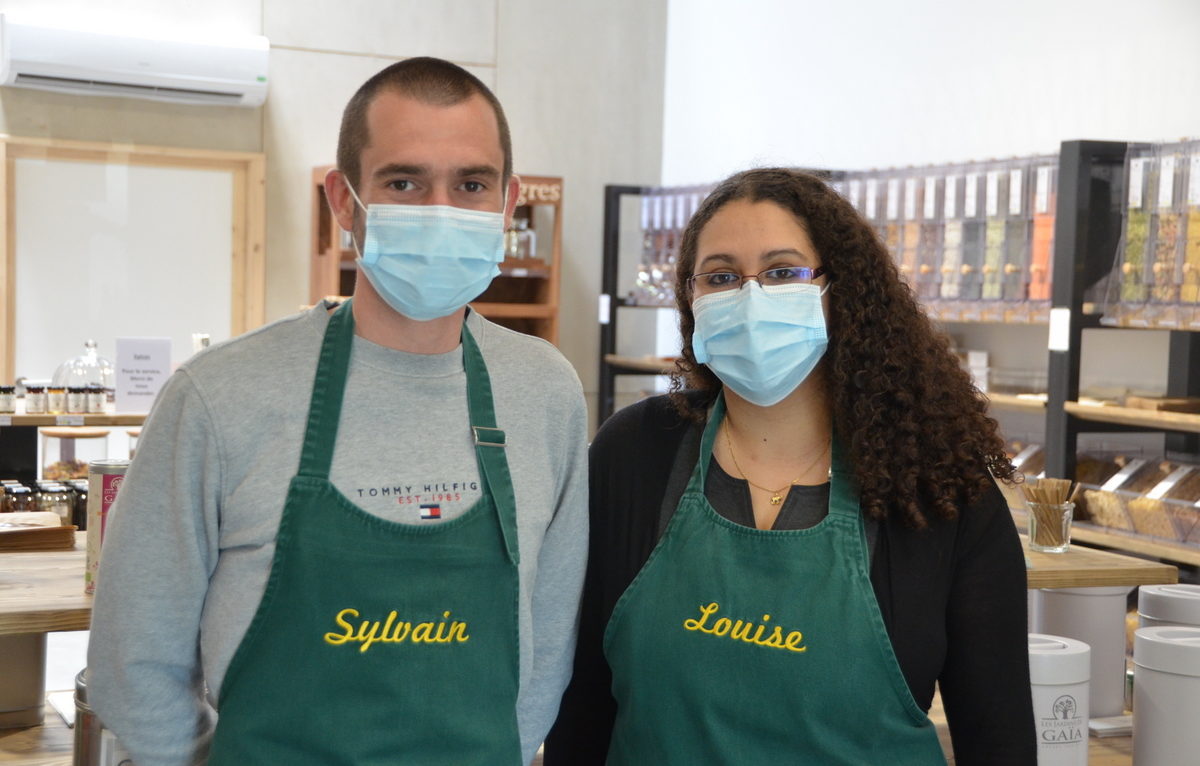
<point>952,596</point>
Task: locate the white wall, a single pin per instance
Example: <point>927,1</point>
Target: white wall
<point>878,83</point>
<point>881,83</point>
<point>582,84</point>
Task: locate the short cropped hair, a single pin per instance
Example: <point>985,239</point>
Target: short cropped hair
<point>426,79</point>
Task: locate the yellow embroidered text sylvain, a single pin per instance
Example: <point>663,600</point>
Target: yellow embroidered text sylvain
<point>393,631</point>
<point>743,630</point>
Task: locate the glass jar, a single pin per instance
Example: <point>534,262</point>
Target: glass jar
<point>84,370</point>
<point>8,400</point>
<point>19,499</point>
<point>57,499</point>
<point>134,434</point>
<point>79,488</point>
<point>97,398</point>
<point>35,400</point>
<point>526,240</point>
<point>56,400</point>
<point>66,451</point>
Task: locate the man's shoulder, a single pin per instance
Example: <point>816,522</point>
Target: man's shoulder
<point>272,349</point>
<point>534,361</point>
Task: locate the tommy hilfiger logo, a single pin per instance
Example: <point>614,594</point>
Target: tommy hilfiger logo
<point>431,511</point>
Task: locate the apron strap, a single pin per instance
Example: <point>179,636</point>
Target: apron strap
<point>490,442</point>
<point>329,385</point>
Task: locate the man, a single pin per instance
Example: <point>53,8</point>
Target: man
<point>360,533</point>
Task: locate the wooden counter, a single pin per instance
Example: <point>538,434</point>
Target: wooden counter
<point>1081,567</point>
<point>42,591</point>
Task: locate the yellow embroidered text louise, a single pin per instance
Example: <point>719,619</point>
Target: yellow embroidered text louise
<point>744,630</point>
<point>393,631</point>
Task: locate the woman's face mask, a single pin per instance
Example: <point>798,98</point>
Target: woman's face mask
<point>762,342</point>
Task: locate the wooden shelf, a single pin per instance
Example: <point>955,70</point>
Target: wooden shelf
<point>515,310</point>
<point>124,419</point>
<point>1017,403</point>
<point>1166,421</point>
<point>1127,541</point>
<point>648,365</point>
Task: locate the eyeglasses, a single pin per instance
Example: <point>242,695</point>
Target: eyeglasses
<point>719,281</point>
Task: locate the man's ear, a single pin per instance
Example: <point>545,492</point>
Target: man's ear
<point>341,203</point>
<point>514,191</point>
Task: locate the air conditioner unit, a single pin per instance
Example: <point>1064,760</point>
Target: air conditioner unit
<point>223,73</point>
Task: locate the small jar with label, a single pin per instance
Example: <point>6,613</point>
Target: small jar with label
<point>56,400</point>
<point>35,400</point>
<point>19,499</point>
<point>57,499</point>
<point>97,398</point>
<point>8,400</point>
<point>76,400</point>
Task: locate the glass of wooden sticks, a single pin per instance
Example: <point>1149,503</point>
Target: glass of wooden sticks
<point>1050,511</point>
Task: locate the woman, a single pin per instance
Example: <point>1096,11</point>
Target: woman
<point>786,556</point>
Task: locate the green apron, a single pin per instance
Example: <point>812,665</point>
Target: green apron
<point>747,646</point>
<point>378,642</point>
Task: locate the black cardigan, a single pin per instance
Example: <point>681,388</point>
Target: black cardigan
<point>953,599</point>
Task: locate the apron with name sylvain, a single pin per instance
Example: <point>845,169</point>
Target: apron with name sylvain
<point>747,646</point>
<point>378,642</point>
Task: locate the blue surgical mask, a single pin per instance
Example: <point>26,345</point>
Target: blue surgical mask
<point>762,342</point>
<point>428,261</point>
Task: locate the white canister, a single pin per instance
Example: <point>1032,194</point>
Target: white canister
<point>1166,695</point>
<point>1095,616</point>
<point>1059,669</point>
<point>1168,605</point>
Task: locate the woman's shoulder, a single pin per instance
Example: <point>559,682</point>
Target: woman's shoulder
<point>648,423</point>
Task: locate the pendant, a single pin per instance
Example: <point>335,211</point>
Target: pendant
<point>776,499</point>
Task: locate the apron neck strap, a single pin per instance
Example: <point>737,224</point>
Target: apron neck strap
<point>843,489</point>
<point>329,386</point>
<point>490,447</point>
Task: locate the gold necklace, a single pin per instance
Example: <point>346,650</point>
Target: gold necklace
<point>776,494</point>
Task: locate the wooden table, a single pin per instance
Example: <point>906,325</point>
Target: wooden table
<point>42,591</point>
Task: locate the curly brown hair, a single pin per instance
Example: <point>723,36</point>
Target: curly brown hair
<point>911,422</point>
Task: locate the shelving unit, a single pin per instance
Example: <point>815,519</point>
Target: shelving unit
<point>525,295</point>
<point>1087,230</point>
<point>19,434</point>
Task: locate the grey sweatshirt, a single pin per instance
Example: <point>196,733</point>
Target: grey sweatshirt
<point>191,538</point>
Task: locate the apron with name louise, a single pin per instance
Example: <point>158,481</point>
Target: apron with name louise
<point>747,646</point>
<point>378,642</point>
